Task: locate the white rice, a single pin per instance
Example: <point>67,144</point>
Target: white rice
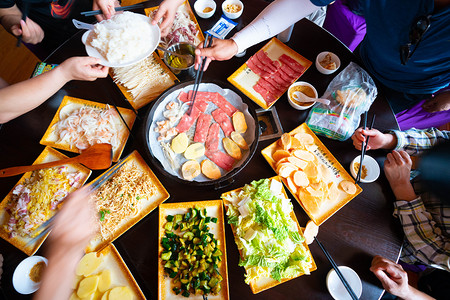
<point>123,38</point>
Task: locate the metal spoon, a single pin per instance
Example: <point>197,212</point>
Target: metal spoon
<point>300,97</point>
<point>186,57</point>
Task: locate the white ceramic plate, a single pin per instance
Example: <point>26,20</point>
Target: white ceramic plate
<point>373,170</point>
<point>91,51</point>
<point>337,289</point>
<point>21,277</point>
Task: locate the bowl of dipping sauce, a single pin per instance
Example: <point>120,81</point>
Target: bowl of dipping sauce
<point>205,8</point>
<point>28,274</point>
<point>327,62</point>
<point>178,65</point>
<point>305,88</point>
<point>370,171</point>
<point>232,9</point>
<point>336,287</point>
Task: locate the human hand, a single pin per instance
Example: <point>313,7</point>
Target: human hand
<point>377,139</point>
<point>219,50</point>
<point>440,102</point>
<point>397,168</point>
<point>83,68</point>
<point>392,276</point>
<point>166,11</point>
<point>107,8</point>
<point>31,32</point>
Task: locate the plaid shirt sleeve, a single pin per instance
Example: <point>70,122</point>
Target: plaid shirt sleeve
<point>415,141</point>
<point>425,239</point>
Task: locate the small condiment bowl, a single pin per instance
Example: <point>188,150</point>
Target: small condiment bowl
<point>232,15</point>
<point>201,5</point>
<point>336,287</point>
<point>295,104</point>
<point>334,58</point>
<point>21,277</point>
<point>373,169</point>
<point>171,61</point>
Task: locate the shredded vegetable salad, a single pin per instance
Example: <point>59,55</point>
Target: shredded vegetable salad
<point>266,235</point>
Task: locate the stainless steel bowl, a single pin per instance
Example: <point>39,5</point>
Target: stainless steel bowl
<point>184,72</point>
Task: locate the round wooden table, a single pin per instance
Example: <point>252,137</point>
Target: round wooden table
<point>361,229</point>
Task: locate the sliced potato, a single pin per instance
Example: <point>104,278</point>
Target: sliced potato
<point>300,179</point>
<point>311,171</point>
<point>88,286</point>
<point>76,279</point>
<point>285,141</point>
<point>180,143</point>
<point>299,163</point>
<point>348,187</point>
<point>194,151</point>
<point>74,296</point>
<point>285,170</point>
<point>303,154</point>
<point>93,296</point>
<point>104,282</point>
<point>190,169</point>
<point>88,264</point>
<point>105,295</point>
<point>311,231</point>
<point>309,202</point>
<point>120,293</point>
<point>291,185</point>
<point>314,193</point>
<point>304,138</point>
<point>280,154</point>
<point>232,148</point>
<point>210,169</point>
<point>239,140</point>
<point>239,122</point>
<point>281,161</point>
<point>295,144</point>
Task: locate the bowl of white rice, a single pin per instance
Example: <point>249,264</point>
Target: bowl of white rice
<point>123,40</point>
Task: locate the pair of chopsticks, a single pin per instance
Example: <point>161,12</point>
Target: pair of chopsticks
<point>120,8</point>
<point>199,74</point>
<point>47,226</point>
<point>364,146</point>
<point>338,272</point>
<point>25,9</point>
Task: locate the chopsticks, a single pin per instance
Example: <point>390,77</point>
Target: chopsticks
<point>364,147</point>
<point>25,8</point>
<point>338,272</point>
<point>120,8</point>
<point>199,73</point>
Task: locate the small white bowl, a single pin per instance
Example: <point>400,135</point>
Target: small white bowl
<point>294,103</point>
<point>232,15</point>
<point>201,5</point>
<point>373,169</point>
<point>334,58</point>
<point>21,277</point>
<point>337,288</point>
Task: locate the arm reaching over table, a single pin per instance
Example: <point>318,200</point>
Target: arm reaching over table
<point>24,96</point>
<point>11,19</point>
<point>275,18</point>
<point>166,12</point>
<point>107,8</point>
<point>395,280</point>
<point>75,224</point>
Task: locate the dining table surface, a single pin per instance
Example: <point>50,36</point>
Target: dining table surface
<point>357,232</point>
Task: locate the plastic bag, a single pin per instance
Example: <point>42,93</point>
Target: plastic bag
<point>351,93</point>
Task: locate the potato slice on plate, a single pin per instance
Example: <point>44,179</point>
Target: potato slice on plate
<point>303,154</point>
<point>88,286</point>
<point>232,148</point>
<point>194,151</point>
<point>304,138</point>
<point>120,293</point>
<point>311,231</point>
<point>105,295</point>
<point>285,141</point>
<point>291,185</point>
<point>348,187</point>
<point>210,169</point>
<point>74,296</point>
<point>295,144</point>
<point>285,170</point>
<point>190,169</point>
<point>299,163</point>
<point>104,282</point>
<point>300,179</point>
<point>309,202</point>
<point>88,264</point>
<point>280,154</point>
<point>180,143</point>
<point>239,140</point>
<point>239,123</point>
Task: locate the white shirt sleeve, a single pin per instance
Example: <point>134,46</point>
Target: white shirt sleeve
<point>275,18</point>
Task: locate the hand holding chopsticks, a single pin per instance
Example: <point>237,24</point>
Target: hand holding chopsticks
<point>119,8</point>
<point>364,146</point>
<point>338,272</point>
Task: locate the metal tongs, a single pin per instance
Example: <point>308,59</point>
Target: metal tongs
<point>199,74</point>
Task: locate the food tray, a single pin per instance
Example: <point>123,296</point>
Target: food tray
<point>244,78</point>
<point>267,283</point>
<point>21,243</point>
<point>156,91</point>
<point>213,209</point>
<point>68,105</point>
<point>120,274</point>
<point>149,205</point>
<point>337,172</point>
